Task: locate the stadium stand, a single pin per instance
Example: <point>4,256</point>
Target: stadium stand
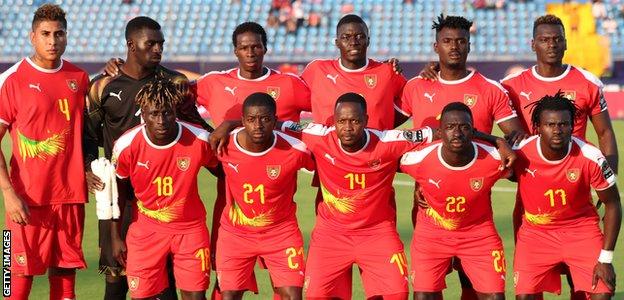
<point>201,29</point>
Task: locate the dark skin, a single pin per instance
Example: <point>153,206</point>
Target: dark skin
<point>456,133</point>
<point>257,136</point>
<point>350,120</point>
<point>49,39</point>
<point>555,130</point>
<point>161,129</point>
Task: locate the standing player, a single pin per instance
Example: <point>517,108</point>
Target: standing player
<point>356,222</point>
<point>424,99</point>
<point>160,159</point>
<point>551,75</point>
<point>377,82</point>
<point>41,104</point>
<point>458,222</point>
<point>555,173</point>
<point>259,219</point>
<point>111,111</point>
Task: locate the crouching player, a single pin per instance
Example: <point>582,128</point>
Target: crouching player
<point>456,176</point>
<point>161,159</point>
<point>555,173</point>
<point>259,219</point>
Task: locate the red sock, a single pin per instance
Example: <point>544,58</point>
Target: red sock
<point>20,287</point>
<point>62,286</point>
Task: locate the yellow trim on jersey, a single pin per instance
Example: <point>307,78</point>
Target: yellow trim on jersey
<point>237,217</point>
<point>446,223</point>
<point>30,148</point>
<point>341,204</point>
<point>164,214</point>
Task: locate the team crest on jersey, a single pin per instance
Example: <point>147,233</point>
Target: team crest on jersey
<point>371,80</point>
<point>476,183</point>
<point>20,258</point>
<point>273,171</point>
<point>573,175</point>
<point>72,84</point>
<point>274,91</point>
<point>571,95</point>
<point>470,100</point>
<point>183,163</point>
<point>133,283</point>
<point>375,163</point>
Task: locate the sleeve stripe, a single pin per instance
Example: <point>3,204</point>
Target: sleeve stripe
<point>2,121</point>
<point>612,183</point>
<point>513,115</point>
<point>400,110</point>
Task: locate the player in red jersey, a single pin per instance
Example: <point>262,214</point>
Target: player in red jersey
<point>259,219</point>
<point>424,99</point>
<point>458,221</point>
<point>376,81</point>
<point>159,161</point>
<point>41,105</point>
<point>555,173</point>
<point>356,222</point>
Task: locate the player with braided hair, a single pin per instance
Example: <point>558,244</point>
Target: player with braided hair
<point>160,159</point>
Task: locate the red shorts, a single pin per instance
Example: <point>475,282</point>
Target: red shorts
<point>536,268</point>
<point>52,238</point>
<point>147,258</point>
<point>480,250</point>
<point>380,257</point>
<point>281,249</point>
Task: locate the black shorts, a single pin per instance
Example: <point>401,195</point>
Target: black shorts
<point>108,264</point>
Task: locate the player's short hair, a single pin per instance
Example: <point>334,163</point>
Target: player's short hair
<point>159,92</point>
<point>455,22</point>
<point>556,102</point>
<point>140,23</point>
<point>350,18</point>
<point>352,98</point>
<point>49,12</point>
<point>547,20</point>
<point>252,27</point>
<point>457,106</point>
<point>260,99</point>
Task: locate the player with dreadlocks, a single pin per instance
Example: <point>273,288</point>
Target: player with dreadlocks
<point>160,159</point>
<point>555,172</point>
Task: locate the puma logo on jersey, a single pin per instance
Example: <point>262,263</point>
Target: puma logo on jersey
<point>144,165</point>
<point>526,95</point>
<point>35,86</point>
<point>436,183</point>
<point>118,95</point>
<point>332,78</point>
<point>231,90</point>
<point>330,158</point>
<point>233,166</point>
<point>531,172</point>
<point>429,96</point>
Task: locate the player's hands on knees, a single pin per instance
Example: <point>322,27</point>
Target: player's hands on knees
<point>119,250</point>
<point>508,156</point>
<point>430,71</point>
<point>112,66</point>
<point>515,137</point>
<point>396,67</point>
<point>15,207</point>
<point>94,183</point>
<point>605,273</point>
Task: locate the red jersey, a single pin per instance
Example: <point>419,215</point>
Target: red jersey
<point>458,197</point>
<point>164,178</point>
<point>261,186</point>
<point>376,82</point>
<point>579,85</point>
<point>357,187</point>
<point>43,110</point>
<point>556,194</point>
<point>424,100</point>
<point>223,93</point>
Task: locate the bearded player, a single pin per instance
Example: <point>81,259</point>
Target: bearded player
<point>160,159</point>
<point>41,105</point>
